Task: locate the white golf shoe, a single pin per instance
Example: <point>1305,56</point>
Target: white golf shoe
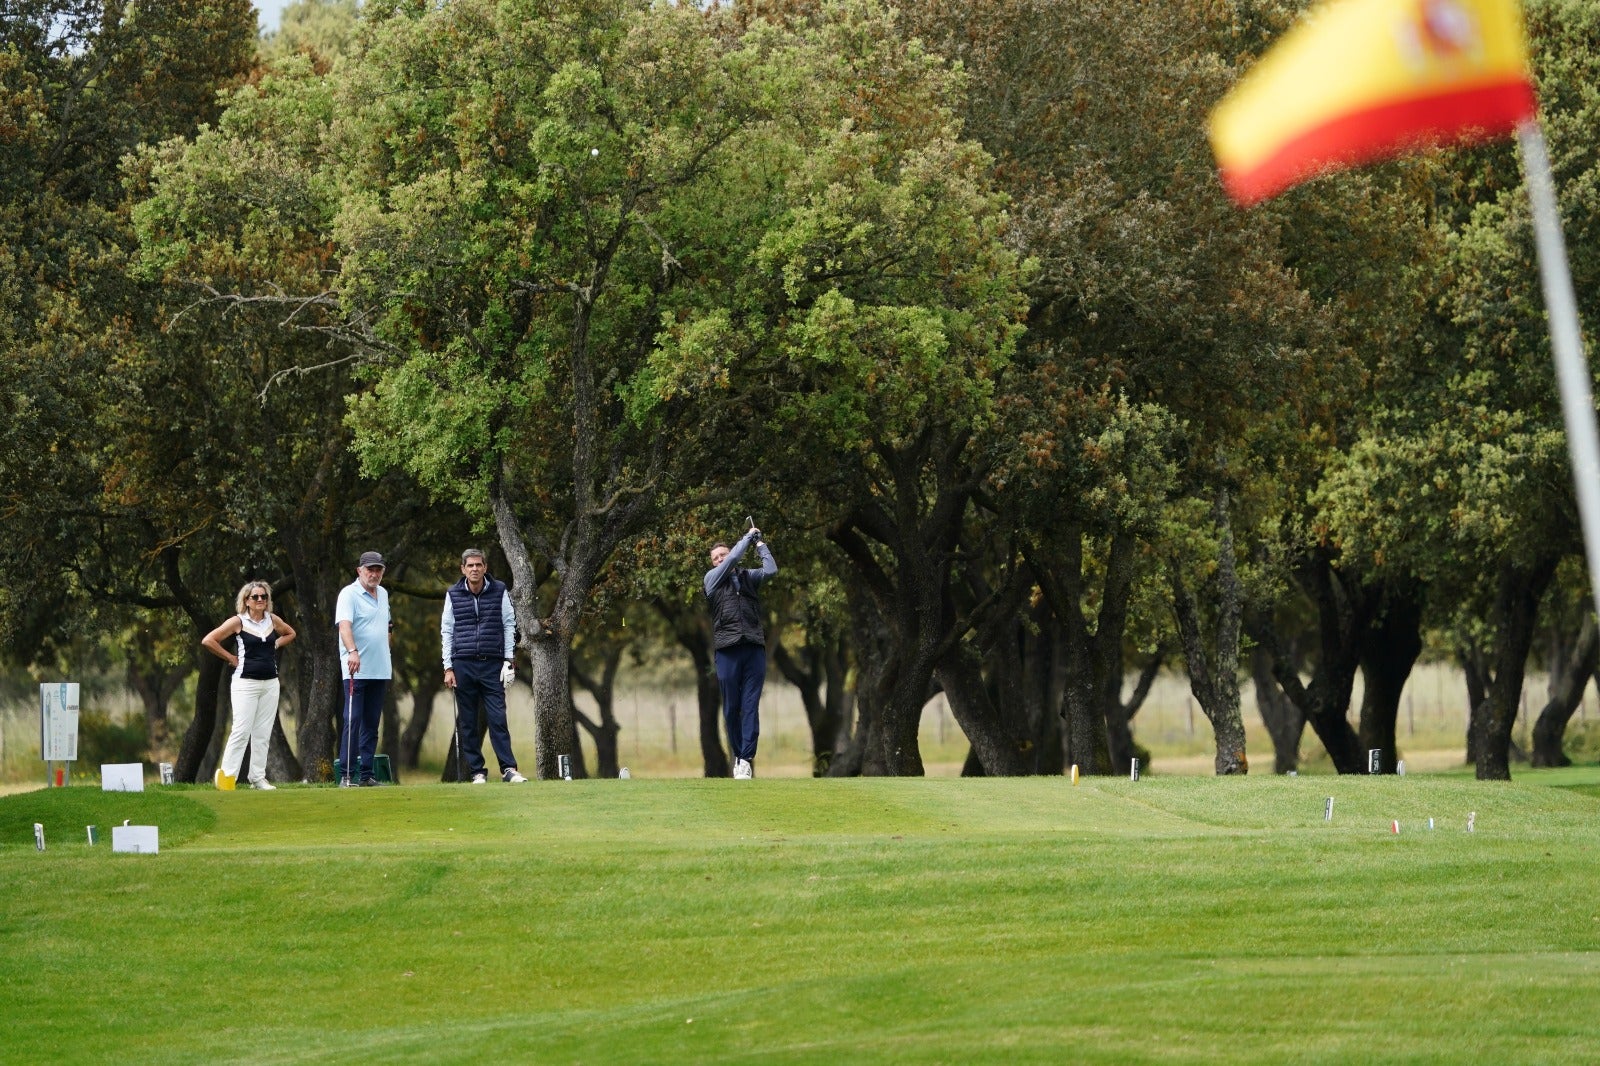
<point>480,779</point>
<point>742,770</point>
<point>511,777</point>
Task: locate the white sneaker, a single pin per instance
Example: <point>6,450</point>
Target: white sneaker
<point>511,777</point>
<point>480,779</point>
<point>742,771</point>
<point>263,786</point>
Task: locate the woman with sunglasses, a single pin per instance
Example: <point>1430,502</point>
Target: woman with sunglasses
<point>254,634</point>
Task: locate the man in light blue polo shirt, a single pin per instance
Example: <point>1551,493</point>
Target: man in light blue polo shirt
<point>362,617</point>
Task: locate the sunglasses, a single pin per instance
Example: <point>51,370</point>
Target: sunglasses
<point>257,596</point>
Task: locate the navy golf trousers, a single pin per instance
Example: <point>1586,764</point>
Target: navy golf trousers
<point>478,685</point>
<point>741,671</point>
<point>363,713</point>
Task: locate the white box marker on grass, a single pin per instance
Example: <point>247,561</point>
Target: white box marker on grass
<point>122,777</point>
<point>136,839</point>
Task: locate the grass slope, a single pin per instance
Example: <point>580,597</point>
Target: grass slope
<point>1172,920</point>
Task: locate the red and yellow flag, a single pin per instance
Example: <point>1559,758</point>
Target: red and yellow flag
<point>1360,80</point>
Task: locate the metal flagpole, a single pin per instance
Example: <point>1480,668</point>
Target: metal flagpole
<point>1566,339</point>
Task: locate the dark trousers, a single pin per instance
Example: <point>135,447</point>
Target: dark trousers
<point>741,671</point>
<point>478,685</point>
<point>362,713</point>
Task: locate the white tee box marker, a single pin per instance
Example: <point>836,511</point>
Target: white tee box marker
<point>122,777</point>
<point>136,839</point>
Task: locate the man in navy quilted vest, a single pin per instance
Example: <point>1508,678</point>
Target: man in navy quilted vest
<point>740,639</point>
<point>478,636</point>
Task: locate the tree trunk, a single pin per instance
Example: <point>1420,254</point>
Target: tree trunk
<point>577,765</point>
<point>155,685</point>
<point>1099,737</point>
<point>389,725</point>
<point>1344,607</point>
<point>995,747</point>
<point>197,738</point>
<point>1121,719</point>
<point>1475,671</point>
<point>692,630</point>
<point>281,762</point>
<point>324,704</point>
<point>839,700</point>
<point>900,715</point>
<point>553,726</point>
<point>1517,593</point>
<point>1214,663</point>
<point>860,754</point>
<point>1570,670</point>
<point>1389,649</point>
<point>423,695</point>
<point>1285,724</point>
<point>816,673</point>
<point>708,701</point>
<point>603,732</point>
<point>317,581</point>
<point>212,758</point>
<point>549,640</point>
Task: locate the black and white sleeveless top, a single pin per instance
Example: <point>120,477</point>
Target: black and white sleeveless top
<point>255,644</point>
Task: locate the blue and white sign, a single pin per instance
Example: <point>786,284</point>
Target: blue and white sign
<point>58,722</point>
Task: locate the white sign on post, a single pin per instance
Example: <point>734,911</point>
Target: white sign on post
<point>58,722</point>
<point>122,777</point>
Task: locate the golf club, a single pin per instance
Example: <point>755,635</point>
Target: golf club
<point>459,778</point>
<point>349,714</point>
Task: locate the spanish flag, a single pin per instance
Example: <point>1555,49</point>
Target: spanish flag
<point>1361,80</point>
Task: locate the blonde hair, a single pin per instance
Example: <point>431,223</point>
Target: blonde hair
<point>245,589</point>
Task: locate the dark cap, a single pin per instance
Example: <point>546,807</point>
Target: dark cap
<point>371,559</point>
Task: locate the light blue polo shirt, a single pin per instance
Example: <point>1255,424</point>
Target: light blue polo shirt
<point>369,624</point>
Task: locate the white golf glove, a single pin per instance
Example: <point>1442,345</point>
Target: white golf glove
<point>508,674</point>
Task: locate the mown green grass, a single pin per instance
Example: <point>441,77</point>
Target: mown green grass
<point>1169,920</point>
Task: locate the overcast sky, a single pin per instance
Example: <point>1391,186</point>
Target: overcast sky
<point>270,10</point>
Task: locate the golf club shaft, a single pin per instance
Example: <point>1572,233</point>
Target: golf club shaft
<point>349,717</point>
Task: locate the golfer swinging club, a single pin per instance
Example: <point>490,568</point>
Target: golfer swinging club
<point>740,640</point>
